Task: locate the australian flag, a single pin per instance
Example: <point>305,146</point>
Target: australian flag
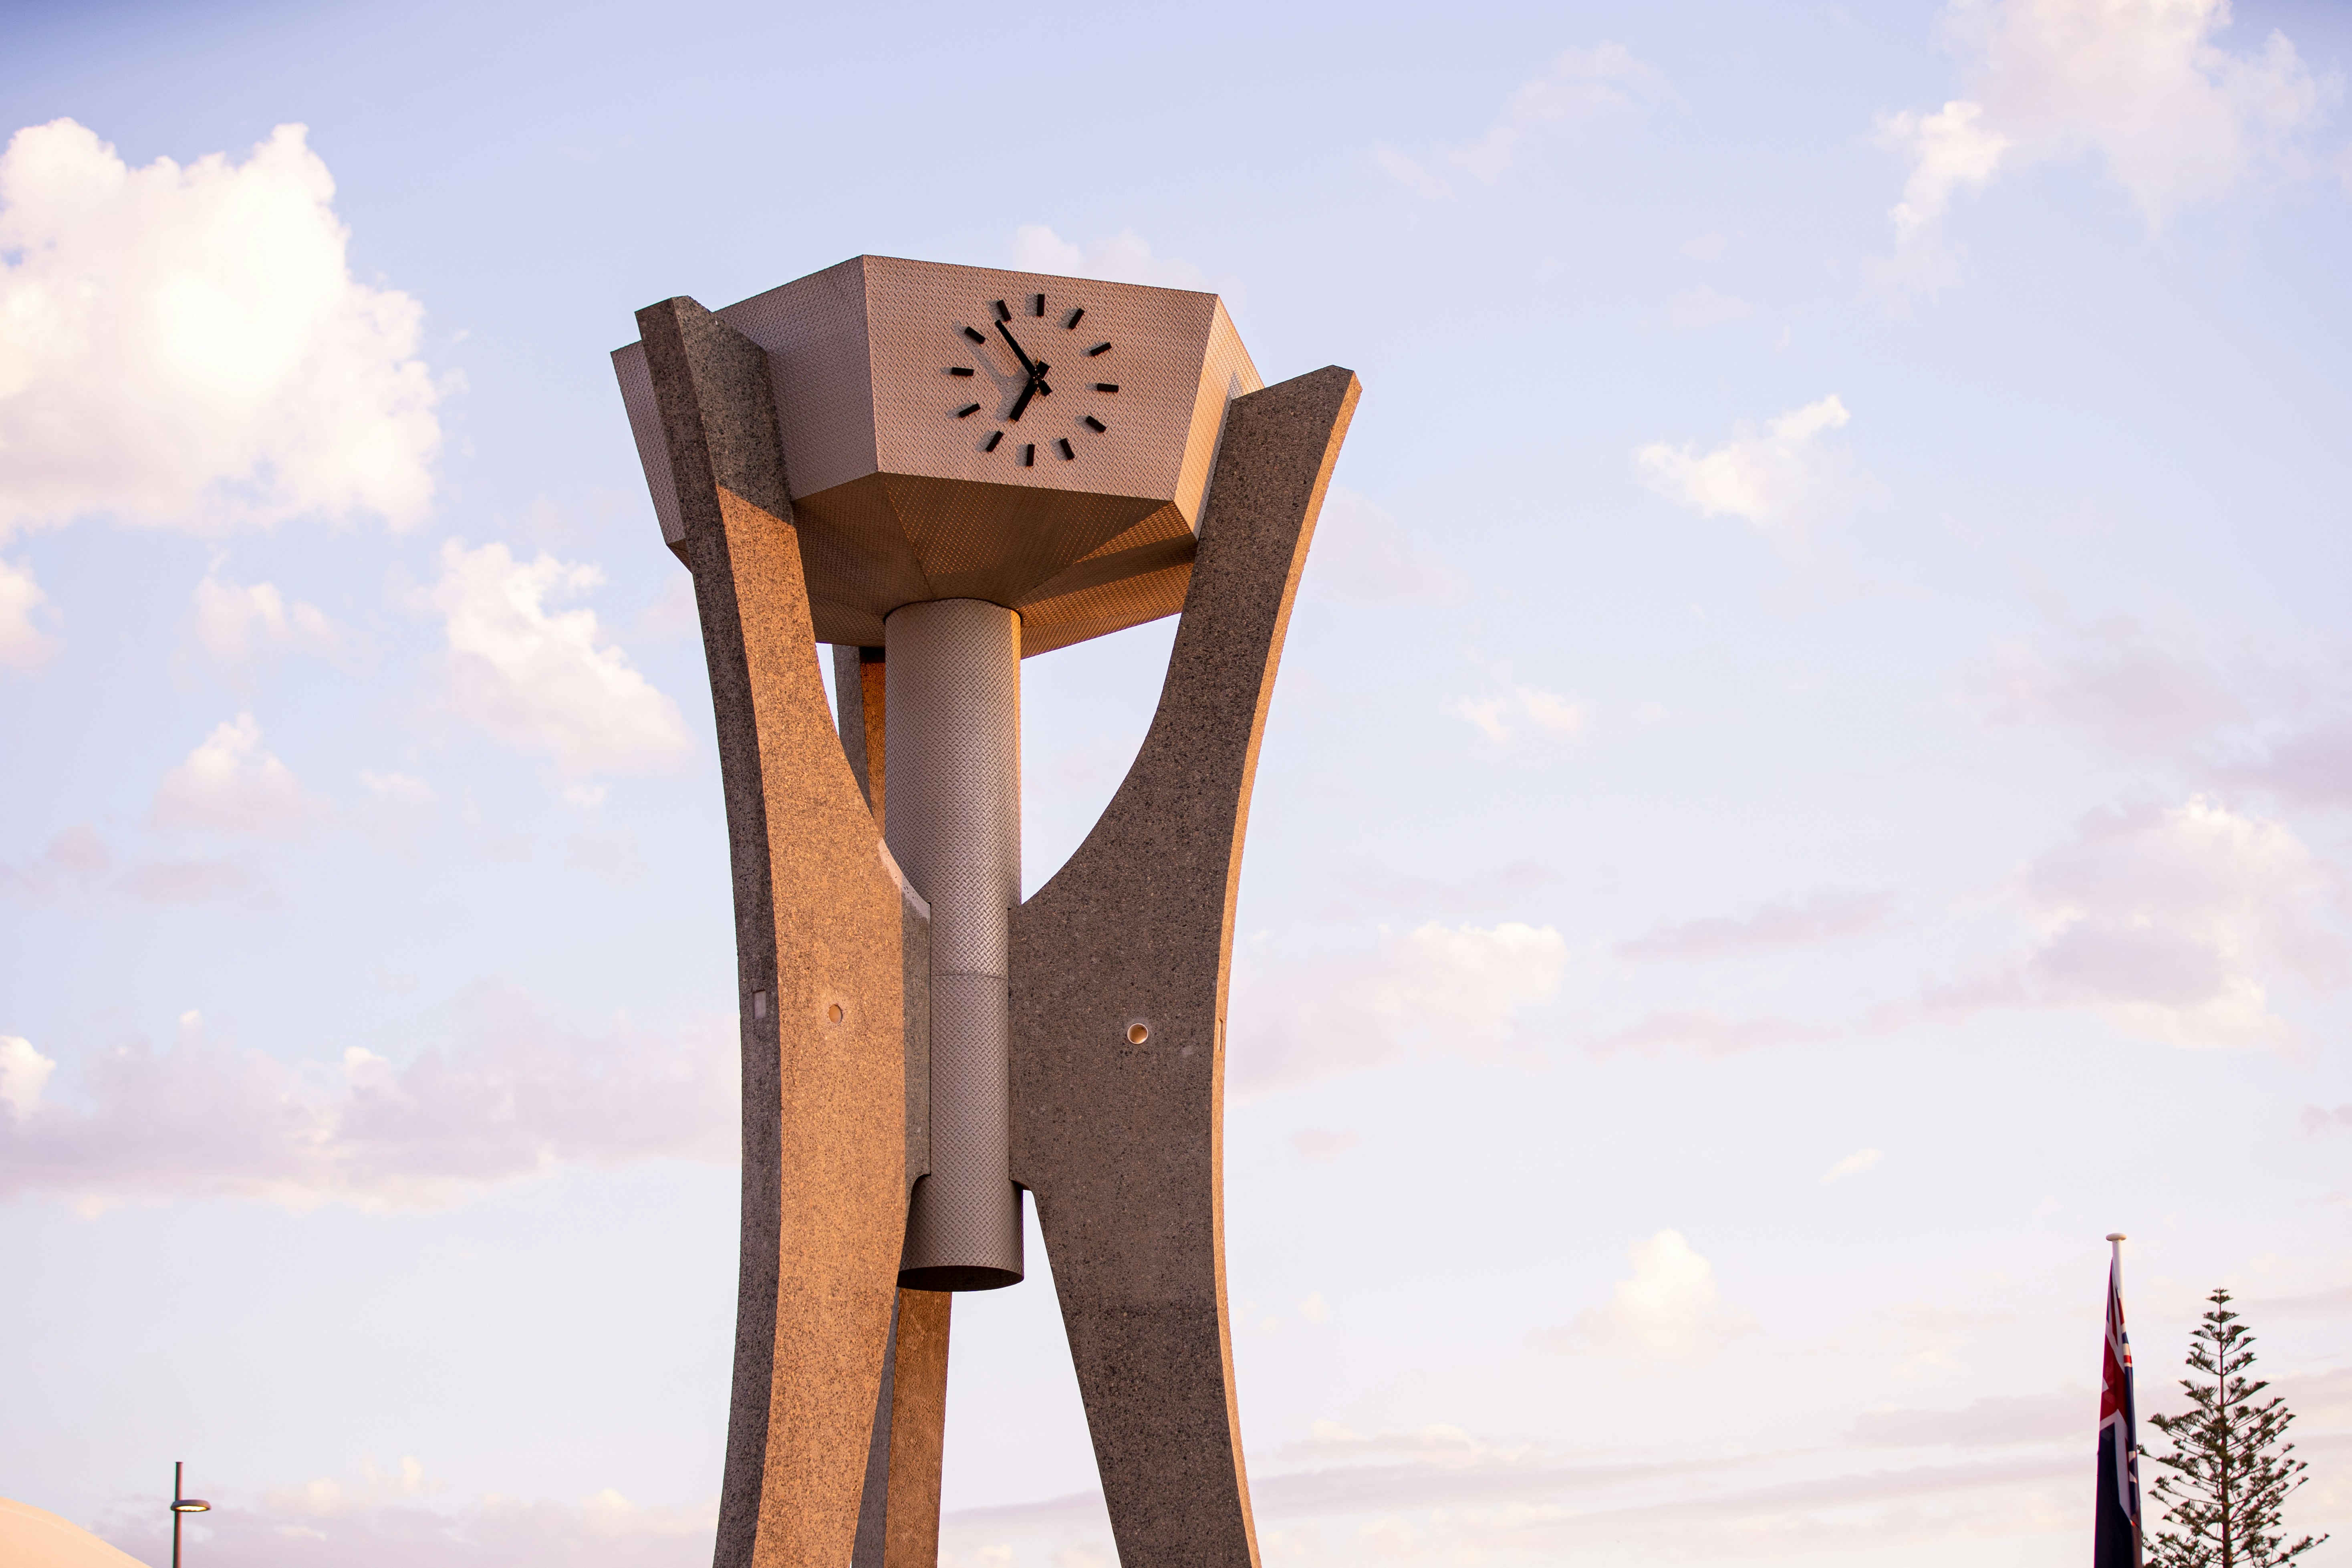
<point>2116,1541</point>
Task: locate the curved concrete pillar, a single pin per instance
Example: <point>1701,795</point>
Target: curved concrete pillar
<point>824,933</point>
<point>1119,968</point>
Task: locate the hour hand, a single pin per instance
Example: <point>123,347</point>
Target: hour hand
<point>1021,401</point>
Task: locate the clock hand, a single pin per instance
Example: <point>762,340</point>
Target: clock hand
<point>1021,401</point>
<point>1026,362</point>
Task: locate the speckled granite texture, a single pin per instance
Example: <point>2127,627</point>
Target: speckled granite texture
<point>1122,1143</point>
<point>823,930</point>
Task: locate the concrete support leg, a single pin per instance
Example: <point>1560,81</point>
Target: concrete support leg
<point>822,931</point>
<point>1119,968</point>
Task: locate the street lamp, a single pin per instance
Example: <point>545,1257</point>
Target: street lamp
<point>182,1505</point>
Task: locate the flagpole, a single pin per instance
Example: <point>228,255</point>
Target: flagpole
<point>2116,1240</point>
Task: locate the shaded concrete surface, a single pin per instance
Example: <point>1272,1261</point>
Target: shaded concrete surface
<point>34,1538</point>
<point>1120,974</point>
<point>898,1517</point>
<point>821,936</point>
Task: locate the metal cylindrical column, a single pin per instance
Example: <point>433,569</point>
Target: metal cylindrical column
<point>952,750</point>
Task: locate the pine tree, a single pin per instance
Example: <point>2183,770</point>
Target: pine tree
<point>2231,1468</point>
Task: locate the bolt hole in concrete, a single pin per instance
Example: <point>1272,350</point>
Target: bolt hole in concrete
<point>1136,1034</point>
<point>833,1014</point>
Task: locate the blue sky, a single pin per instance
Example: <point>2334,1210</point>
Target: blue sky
<point>1809,781</point>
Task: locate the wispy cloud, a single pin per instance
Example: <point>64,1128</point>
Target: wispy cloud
<point>1123,257</point>
<point>1509,891</point>
<point>1667,1317</point>
<point>1853,1164</point>
<point>1435,990</point>
<point>2174,922</point>
<point>1505,707</point>
<point>233,618</point>
<point>520,1097</point>
<point>23,645</point>
<point>1778,478</point>
<point>2149,88</point>
<point>1578,87</point>
<point>1829,915</point>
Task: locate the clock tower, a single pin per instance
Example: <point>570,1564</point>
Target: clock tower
<point>941,471</point>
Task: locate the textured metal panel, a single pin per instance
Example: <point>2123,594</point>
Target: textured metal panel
<point>645,429</point>
<point>1049,623</point>
<point>1119,1140</point>
<point>814,332</point>
<point>1226,374</point>
<point>1160,340</point>
<point>952,750</point>
<point>898,502</point>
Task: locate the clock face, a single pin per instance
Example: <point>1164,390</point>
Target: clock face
<point>1042,378</point>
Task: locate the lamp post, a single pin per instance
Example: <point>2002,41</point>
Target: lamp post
<point>182,1505</point>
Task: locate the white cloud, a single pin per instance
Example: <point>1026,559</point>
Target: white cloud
<point>1853,1164</point>
<point>23,1072</point>
<point>1777,480</point>
<point>186,346</point>
<point>230,783</point>
<point>1578,87</point>
<point>1435,989</point>
<point>21,642</point>
<point>1668,1317</point>
<point>2174,923</point>
<point>547,680</point>
<point>519,1097</point>
<point>2144,84</point>
<point>1124,257</point>
<point>230,616</point>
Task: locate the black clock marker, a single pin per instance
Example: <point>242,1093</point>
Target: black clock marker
<point>1095,424</point>
<point>1028,456</point>
<point>994,437</point>
<point>968,410</point>
<point>1065,444</point>
<point>1075,317</point>
<point>1098,348</point>
<point>1100,386</point>
<point>975,337</point>
<point>1002,314</point>
<point>1037,304</point>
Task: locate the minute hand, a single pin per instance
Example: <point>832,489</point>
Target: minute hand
<point>1036,369</point>
<point>1026,361</point>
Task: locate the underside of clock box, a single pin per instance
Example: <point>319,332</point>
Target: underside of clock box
<point>896,386</point>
